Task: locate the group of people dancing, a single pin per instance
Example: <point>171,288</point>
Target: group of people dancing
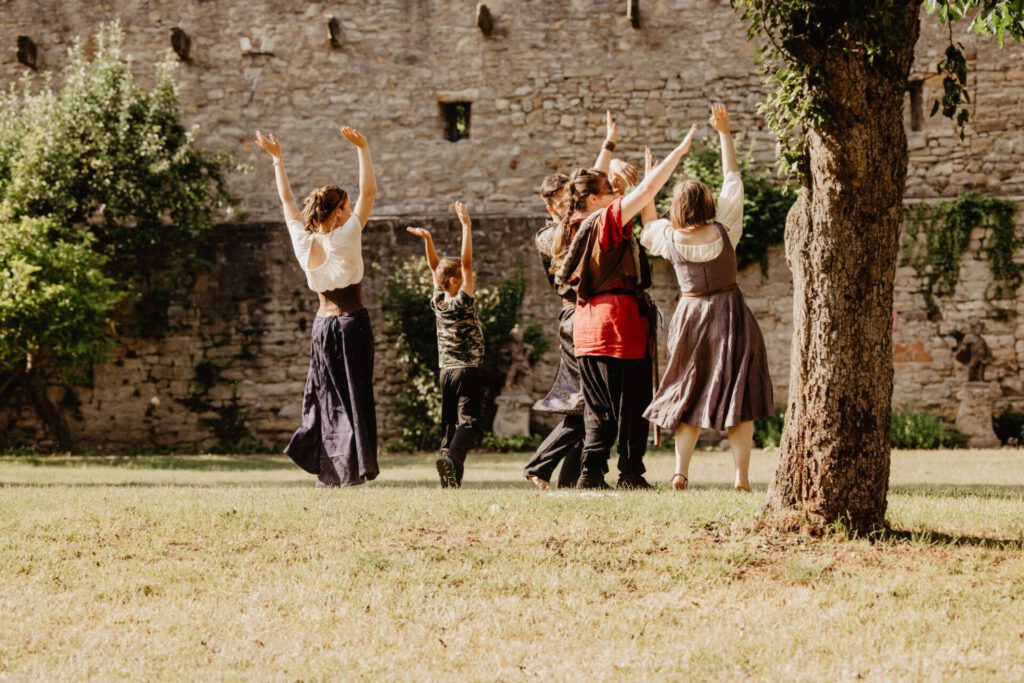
<point>594,248</point>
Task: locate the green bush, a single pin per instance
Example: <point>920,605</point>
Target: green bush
<point>768,432</point>
<point>54,303</point>
<point>408,317</point>
<point>915,429</point>
<point>510,444</point>
<point>766,201</point>
<point>1009,427</point>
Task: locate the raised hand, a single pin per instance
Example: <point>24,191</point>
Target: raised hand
<point>612,134</point>
<point>463,213</point>
<point>419,232</point>
<point>719,118</point>
<point>354,136</point>
<point>622,175</point>
<point>684,146</point>
<point>269,144</point>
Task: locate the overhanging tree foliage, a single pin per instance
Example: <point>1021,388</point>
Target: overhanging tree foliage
<point>837,73</point>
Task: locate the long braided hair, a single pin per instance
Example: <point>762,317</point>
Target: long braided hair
<point>320,204</point>
<point>583,182</point>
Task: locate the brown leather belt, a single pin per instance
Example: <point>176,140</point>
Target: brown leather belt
<point>727,288</point>
<point>344,301</point>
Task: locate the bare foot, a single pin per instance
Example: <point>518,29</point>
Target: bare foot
<point>745,488</point>
<point>538,482</point>
<point>679,482</point>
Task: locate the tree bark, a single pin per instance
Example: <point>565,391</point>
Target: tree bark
<point>841,244</point>
<point>49,413</point>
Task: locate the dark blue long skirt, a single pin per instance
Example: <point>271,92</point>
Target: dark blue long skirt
<point>338,437</point>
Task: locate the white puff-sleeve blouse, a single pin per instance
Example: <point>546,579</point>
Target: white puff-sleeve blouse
<point>658,236</point>
<point>344,248</point>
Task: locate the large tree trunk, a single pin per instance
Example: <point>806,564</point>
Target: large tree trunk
<point>841,244</point>
<point>49,414</point>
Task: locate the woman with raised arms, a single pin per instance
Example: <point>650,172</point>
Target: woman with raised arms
<point>338,437</point>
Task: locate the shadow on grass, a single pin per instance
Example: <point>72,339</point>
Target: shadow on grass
<point>1007,491</point>
<point>309,484</point>
<point>227,463</point>
<point>938,538</point>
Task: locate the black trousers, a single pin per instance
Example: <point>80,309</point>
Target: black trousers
<point>564,444</point>
<point>615,393</point>
<point>460,414</point>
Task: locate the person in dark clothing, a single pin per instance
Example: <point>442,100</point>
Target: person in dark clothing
<point>565,442</point>
<point>337,440</point>
<point>598,257</point>
<point>460,346</point>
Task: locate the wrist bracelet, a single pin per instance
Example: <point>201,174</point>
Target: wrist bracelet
<point>608,145</point>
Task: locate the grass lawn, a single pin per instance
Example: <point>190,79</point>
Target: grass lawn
<point>170,568</point>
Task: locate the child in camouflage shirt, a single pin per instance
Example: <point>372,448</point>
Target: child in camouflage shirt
<point>460,349</point>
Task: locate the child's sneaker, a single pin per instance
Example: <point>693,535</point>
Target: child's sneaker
<point>446,471</point>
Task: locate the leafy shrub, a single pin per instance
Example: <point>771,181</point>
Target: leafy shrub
<point>411,328</point>
<point>99,184</point>
<point>911,428</point>
<point>1009,426</point>
<point>768,432</point>
<point>765,206</point>
<point>54,303</point>
<point>510,444</point>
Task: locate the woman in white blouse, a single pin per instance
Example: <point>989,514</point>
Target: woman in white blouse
<point>717,375</point>
<point>338,437</point>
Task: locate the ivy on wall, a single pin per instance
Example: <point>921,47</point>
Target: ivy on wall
<point>935,236</point>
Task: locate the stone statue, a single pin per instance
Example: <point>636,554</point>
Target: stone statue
<point>973,351</point>
<point>513,416</point>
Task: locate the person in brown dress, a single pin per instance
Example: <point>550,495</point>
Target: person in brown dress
<point>717,375</point>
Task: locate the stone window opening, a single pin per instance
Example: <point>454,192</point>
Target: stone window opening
<point>916,91</point>
<point>456,120</point>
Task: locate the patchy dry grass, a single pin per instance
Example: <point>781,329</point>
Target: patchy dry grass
<point>231,568</point>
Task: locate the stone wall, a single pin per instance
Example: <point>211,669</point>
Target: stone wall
<point>234,358</point>
<point>538,87</point>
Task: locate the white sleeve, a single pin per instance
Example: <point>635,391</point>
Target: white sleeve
<point>730,206</point>
<point>657,237</point>
<point>296,230</point>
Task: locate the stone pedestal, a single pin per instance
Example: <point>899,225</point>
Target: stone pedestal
<point>513,416</point>
<point>974,416</point>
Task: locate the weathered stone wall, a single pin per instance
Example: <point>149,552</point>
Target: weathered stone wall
<point>234,358</point>
<point>538,86</point>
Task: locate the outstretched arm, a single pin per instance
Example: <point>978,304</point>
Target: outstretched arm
<point>367,180</point>
<point>648,189</point>
<point>720,121</point>
<point>604,158</point>
<point>468,276</point>
<point>271,146</point>
<point>428,246</point>
<point>650,211</point>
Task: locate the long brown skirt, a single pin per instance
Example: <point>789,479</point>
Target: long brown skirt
<point>717,374</point>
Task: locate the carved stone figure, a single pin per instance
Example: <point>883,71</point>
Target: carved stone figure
<point>973,351</point>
